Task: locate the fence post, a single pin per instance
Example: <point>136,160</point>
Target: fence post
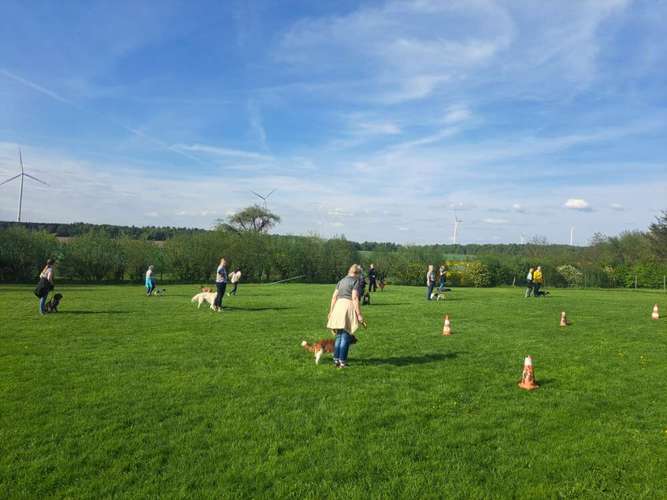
<point>635,282</point>
<point>664,283</point>
<point>514,281</point>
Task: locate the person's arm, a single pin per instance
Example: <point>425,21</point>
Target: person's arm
<point>334,298</point>
<point>355,303</point>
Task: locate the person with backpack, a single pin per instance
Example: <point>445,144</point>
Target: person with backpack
<point>45,285</point>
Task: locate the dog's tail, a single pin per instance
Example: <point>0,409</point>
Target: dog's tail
<point>308,347</point>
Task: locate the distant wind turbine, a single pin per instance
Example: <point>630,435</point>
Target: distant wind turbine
<point>457,221</point>
<point>22,175</point>
<point>572,236</point>
<point>264,198</point>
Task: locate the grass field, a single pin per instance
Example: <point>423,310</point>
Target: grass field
<point>128,396</point>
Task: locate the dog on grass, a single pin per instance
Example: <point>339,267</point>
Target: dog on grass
<point>366,299</point>
<point>202,297</point>
<point>52,305</point>
<point>322,346</point>
<point>382,284</point>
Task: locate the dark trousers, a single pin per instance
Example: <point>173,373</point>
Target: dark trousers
<point>373,285</point>
<point>236,286</point>
<point>536,289</point>
<point>429,291</point>
<point>220,288</point>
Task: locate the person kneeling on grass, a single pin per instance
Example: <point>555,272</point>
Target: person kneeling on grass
<point>344,314</point>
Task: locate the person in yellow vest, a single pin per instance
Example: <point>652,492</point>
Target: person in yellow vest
<point>538,281</point>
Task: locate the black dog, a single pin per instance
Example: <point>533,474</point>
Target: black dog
<point>52,305</point>
<point>366,299</point>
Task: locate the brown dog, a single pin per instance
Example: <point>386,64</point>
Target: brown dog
<point>322,346</point>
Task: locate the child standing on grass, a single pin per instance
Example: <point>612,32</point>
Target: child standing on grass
<point>344,314</point>
<point>220,284</point>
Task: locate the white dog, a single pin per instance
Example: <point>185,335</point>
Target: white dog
<point>202,297</point>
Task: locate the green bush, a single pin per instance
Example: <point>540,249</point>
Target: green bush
<point>23,253</point>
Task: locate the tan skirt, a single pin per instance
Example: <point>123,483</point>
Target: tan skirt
<point>343,317</point>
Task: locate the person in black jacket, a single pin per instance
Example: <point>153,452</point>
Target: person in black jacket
<point>372,278</point>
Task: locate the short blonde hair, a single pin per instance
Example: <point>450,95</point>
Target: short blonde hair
<point>354,269</point>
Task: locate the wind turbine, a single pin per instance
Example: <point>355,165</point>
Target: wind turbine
<point>572,236</point>
<point>22,175</point>
<point>263,197</point>
<point>457,221</point>
<point>523,239</point>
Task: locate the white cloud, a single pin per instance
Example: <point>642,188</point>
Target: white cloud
<point>617,206</point>
<point>495,221</point>
<point>578,204</point>
<point>517,207</point>
<point>220,151</point>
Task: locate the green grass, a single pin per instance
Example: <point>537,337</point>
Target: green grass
<point>128,396</point>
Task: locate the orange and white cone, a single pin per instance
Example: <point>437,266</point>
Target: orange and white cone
<point>447,328</point>
<point>655,314</point>
<point>563,319</point>
<point>528,377</point>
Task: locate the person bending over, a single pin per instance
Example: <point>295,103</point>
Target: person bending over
<point>538,281</point>
<point>45,285</point>
<point>344,314</point>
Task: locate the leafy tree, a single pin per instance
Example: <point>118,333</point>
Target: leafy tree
<point>251,219</point>
<point>658,235</point>
<point>572,275</point>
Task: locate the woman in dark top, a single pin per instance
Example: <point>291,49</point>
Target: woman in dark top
<point>45,285</point>
<point>345,314</point>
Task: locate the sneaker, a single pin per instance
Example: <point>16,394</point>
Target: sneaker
<point>341,364</point>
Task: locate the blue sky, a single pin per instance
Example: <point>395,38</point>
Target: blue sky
<point>375,120</point>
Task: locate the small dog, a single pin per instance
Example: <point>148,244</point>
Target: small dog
<point>366,299</point>
<point>202,297</point>
<point>160,291</point>
<point>322,346</point>
<point>52,305</point>
<point>381,284</point>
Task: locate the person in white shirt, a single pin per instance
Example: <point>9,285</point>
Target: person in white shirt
<point>150,281</point>
<point>234,279</point>
<point>529,283</point>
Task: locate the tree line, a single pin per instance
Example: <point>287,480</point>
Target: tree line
<point>631,258</point>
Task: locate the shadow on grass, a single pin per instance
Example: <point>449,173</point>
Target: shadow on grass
<point>408,360</point>
<point>92,312</point>
<point>255,309</point>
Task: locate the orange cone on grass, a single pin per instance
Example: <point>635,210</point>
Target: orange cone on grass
<point>528,377</point>
<point>447,328</point>
<point>563,319</point>
<point>655,314</point>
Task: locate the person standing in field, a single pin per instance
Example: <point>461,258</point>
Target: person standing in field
<point>344,314</point>
<point>150,281</point>
<point>372,278</point>
<point>220,284</point>
<point>442,272</point>
<point>430,281</point>
<point>45,285</point>
<point>235,278</point>
<point>538,281</point>
<point>529,283</point>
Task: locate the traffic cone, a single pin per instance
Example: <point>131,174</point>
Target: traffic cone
<point>563,319</point>
<point>527,377</point>
<point>447,328</point>
<point>655,314</point>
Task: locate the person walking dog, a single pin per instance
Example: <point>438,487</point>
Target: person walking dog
<point>344,314</point>
<point>234,279</point>
<point>45,285</point>
<point>150,281</point>
<point>220,284</point>
<point>529,283</point>
<point>430,281</point>
<point>373,279</point>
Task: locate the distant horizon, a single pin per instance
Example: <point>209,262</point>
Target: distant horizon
<point>380,120</point>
